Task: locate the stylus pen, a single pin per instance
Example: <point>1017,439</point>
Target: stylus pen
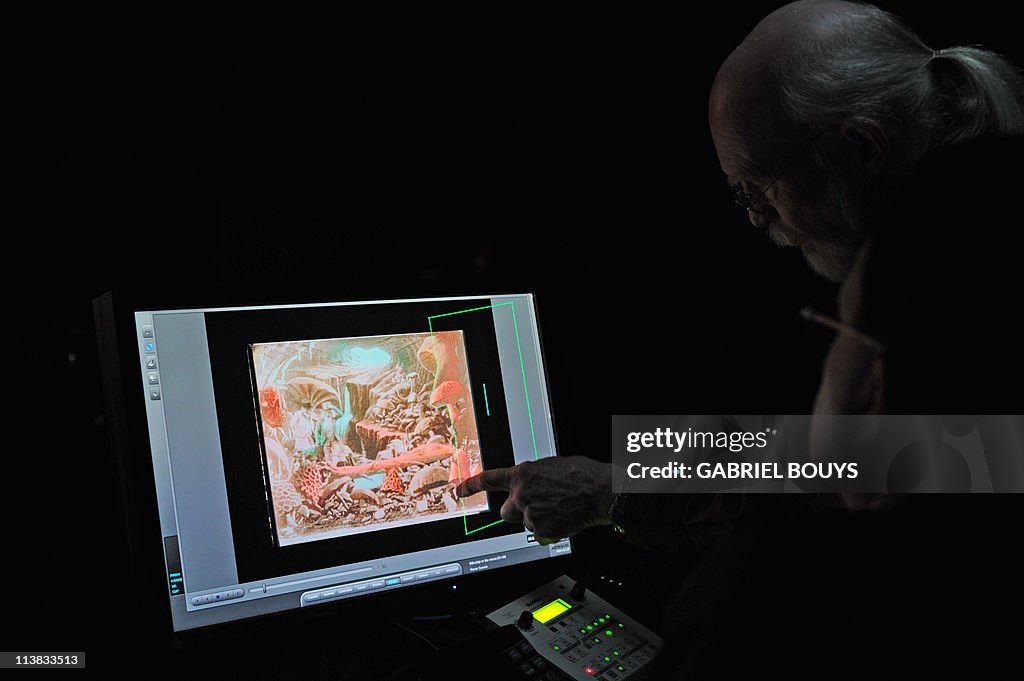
<point>841,327</point>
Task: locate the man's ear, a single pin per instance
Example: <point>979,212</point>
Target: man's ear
<point>868,142</point>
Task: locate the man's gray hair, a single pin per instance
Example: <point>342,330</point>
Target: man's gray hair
<point>871,67</point>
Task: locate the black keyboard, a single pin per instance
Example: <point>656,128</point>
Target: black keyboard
<point>497,655</point>
<point>530,665</point>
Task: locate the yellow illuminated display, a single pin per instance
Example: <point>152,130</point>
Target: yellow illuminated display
<point>551,610</point>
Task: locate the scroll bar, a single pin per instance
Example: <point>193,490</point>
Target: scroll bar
<point>335,576</point>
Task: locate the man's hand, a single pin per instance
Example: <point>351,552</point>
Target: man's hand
<point>554,498</point>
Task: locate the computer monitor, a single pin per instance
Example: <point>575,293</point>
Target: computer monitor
<point>306,454</point>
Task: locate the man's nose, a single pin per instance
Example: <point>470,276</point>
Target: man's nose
<point>761,216</point>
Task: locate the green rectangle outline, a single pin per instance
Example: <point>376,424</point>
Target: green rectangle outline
<point>526,391</point>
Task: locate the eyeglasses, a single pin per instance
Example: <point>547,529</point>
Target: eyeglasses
<point>747,201</point>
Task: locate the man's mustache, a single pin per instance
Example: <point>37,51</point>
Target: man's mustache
<point>781,237</point>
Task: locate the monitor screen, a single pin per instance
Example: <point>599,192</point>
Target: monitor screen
<point>308,454</point>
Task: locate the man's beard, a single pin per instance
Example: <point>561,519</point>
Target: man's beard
<point>832,256</point>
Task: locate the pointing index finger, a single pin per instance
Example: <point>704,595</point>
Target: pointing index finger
<point>496,479</point>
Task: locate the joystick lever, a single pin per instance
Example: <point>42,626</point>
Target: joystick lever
<point>525,621</point>
<point>579,591</point>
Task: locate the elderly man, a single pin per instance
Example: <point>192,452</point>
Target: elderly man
<point>822,117</point>
<point>842,134</point>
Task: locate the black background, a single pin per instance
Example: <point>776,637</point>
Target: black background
<point>565,153</point>
<point>229,335</point>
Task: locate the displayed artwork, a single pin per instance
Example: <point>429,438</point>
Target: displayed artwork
<point>362,434</point>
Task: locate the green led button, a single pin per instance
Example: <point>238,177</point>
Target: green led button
<point>615,652</point>
<point>608,616</point>
<point>597,640</point>
<point>556,647</point>
<point>583,631</point>
<point>608,632</point>
<point>590,628</point>
<point>621,668</point>
<point>621,625</point>
<point>607,659</point>
<point>601,620</point>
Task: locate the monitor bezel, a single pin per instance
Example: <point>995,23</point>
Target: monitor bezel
<point>128,435</point>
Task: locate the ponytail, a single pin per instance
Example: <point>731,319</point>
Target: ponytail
<point>977,92</point>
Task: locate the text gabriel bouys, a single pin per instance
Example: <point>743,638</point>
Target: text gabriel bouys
<point>741,471</point>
